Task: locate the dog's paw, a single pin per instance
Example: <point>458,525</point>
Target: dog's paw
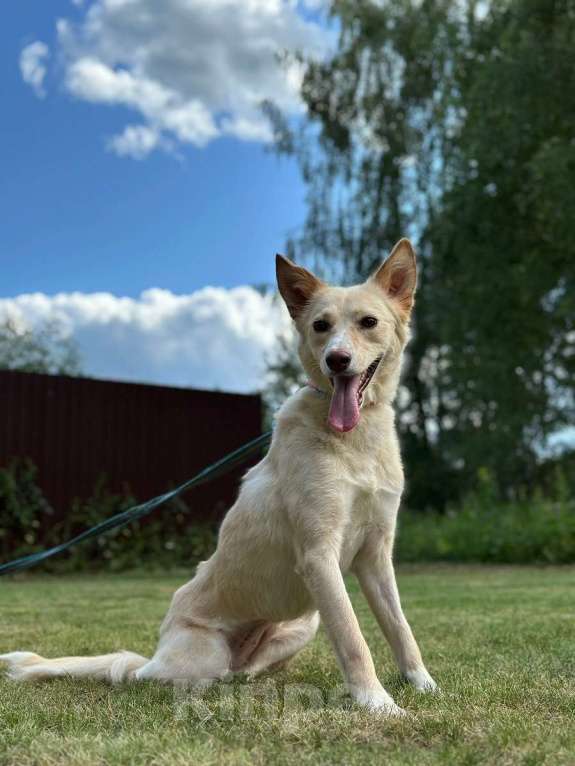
<point>421,680</point>
<point>378,701</point>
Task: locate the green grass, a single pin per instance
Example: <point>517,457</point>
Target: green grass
<point>500,641</point>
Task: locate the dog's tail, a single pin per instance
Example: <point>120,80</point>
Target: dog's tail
<point>117,667</point>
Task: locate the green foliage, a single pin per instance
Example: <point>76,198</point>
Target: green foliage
<point>24,512</point>
<point>27,524</point>
<point>530,530</point>
<point>46,349</point>
<point>453,123</point>
<point>502,271</point>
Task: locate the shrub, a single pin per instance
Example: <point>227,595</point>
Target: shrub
<point>534,529</point>
<point>24,511</point>
<point>164,540</point>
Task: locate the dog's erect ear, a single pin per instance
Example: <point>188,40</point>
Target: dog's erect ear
<point>398,275</point>
<point>296,285</point>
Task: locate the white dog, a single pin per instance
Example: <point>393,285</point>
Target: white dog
<point>321,503</point>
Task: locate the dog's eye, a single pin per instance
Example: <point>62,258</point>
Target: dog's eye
<point>320,325</point>
<point>368,322</point>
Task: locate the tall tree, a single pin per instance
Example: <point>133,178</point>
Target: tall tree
<point>503,259</point>
<point>452,123</point>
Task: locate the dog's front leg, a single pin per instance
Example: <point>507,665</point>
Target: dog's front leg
<point>323,578</point>
<point>374,569</point>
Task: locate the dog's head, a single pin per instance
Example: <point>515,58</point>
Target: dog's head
<point>351,338</point>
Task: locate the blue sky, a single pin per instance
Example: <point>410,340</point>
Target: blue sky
<point>208,205</point>
<point>77,217</point>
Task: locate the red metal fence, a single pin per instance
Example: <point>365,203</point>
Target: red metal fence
<point>146,437</point>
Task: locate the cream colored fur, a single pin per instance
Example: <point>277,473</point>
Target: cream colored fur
<point>319,505</point>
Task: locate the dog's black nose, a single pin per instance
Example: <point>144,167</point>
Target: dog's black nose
<point>338,361</point>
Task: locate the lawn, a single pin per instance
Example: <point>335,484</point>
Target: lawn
<point>500,642</point>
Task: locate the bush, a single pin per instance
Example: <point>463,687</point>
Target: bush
<point>24,511</point>
<point>534,529</point>
<point>164,540</point>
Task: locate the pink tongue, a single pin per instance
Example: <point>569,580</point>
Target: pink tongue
<point>344,408</point>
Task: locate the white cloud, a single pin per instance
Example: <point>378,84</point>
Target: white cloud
<point>212,338</point>
<point>33,67</point>
<point>191,70</point>
<point>136,141</point>
<point>247,129</point>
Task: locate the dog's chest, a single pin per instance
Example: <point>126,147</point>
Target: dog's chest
<point>369,474</point>
<point>372,513</point>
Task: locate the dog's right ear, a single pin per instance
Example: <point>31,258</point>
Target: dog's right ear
<point>296,285</point>
<point>398,275</point>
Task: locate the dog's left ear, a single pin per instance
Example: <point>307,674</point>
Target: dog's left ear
<point>296,285</point>
<point>398,276</point>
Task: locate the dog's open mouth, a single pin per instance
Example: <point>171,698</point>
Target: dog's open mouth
<point>347,398</point>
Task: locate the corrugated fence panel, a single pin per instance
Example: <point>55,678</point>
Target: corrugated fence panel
<point>147,438</point>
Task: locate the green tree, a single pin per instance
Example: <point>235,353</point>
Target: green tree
<point>503,260</point>
<point>45,349</point>
<point>452,123</point>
